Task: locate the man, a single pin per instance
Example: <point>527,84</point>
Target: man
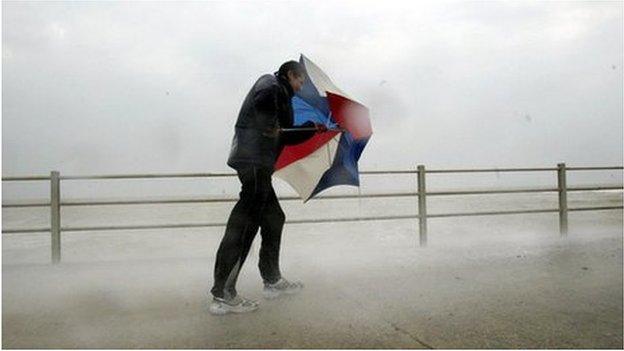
<point>258,141</point>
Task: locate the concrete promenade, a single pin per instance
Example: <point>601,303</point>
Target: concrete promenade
<point>368,285</point>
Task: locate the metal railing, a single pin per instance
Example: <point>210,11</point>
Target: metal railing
<point>55,203</point>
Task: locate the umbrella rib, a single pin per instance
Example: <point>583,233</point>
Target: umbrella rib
<point>328,155</point>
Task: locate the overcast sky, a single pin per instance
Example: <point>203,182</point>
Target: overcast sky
<point>124,87</point>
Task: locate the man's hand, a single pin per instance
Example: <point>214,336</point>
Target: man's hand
<point>320,128</point>
<point>271,133</point>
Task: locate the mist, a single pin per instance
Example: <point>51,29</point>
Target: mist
<point>155,87</point>
<point>108,88</point>
<point>481,282</point>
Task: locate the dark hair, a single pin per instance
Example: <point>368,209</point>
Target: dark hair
<point>289,66</point>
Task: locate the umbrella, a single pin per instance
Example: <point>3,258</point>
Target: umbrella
<point>330,158</point>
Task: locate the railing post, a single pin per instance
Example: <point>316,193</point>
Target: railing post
<point>563,199</point>
<point>422,206</point>
<point>55,212</point>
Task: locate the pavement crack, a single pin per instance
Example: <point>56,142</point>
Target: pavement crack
<point>397,328</point>
<point>393,325</point>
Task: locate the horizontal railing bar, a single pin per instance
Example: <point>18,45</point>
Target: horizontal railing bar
<point>25,230</point>
<point>528,190</point>
<point>27,204</point>
<point>196,175</point>
<point>519,169</point>
<point>389,172</point>
<point>142,202</point>
<point>485,170</point>
<point>303,221</point>
<point>326,197</point>
<point>134,176</point>
<point>502,191</point>
<point>596,208</point>
<point>201,225</point>
<point>177,201</point>
<point>351,219</point>
<point>592,168</point>
<point>9,179</point>
<point>596,188</point>
<point>463,214</point>
<point>146,226</point>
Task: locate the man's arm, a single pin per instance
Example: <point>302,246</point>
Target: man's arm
<point>265,102</point>
<point>294,136</point>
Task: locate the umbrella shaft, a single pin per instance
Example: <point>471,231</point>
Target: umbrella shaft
<point>307,129</point>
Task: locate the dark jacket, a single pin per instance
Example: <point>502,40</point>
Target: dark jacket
<point>266,108</point>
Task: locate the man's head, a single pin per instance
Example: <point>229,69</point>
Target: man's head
<point>294,73</point>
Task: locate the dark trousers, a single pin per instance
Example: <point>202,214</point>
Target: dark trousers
<point>257,207</point>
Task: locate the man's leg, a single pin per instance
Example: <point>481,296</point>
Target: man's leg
<point>271,225</point>
<point>241,228</point>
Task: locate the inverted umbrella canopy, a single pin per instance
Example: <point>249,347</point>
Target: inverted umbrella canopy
<point>329,158</point>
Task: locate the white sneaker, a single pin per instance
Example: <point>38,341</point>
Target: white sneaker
<point>236,304</point>
<point>281,287</point>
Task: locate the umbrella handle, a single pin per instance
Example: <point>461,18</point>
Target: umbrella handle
<point>309,129</point>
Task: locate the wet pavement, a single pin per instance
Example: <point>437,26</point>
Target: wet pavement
<point>368,285</point>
